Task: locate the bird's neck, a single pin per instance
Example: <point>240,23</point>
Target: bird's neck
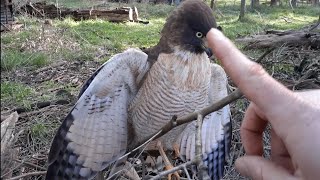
<point>186,69</point>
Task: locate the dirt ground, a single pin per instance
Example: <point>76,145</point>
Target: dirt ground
<point>298,68</point>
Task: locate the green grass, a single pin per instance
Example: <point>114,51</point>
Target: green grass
<point>13,59</point>
<point>85,40</point>
<point>13,93</point>
<point>264,18</point>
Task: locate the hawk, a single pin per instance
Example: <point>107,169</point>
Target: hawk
<point>135,93</point>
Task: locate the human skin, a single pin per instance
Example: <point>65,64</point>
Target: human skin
<point>294,117</point>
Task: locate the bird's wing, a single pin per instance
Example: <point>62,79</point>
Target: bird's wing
<point>216,129</point>
<point>94,134</point>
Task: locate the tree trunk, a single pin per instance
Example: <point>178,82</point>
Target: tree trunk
<point>274,2</point>
<point>242,9</point>
<point>211,4</point>
<point>293,3</point>
<point>316,2</point>
<point>254,4</point>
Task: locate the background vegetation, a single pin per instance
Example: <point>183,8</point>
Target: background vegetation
<point>47,62</point>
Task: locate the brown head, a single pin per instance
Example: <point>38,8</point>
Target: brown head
<point>187,26</point>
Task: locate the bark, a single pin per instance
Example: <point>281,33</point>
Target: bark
<point>254,4</point>
<point>274,2</point>
<point>316,2</point>
<point>293,3</point>
<point>273,39</point>
<point>51,11</point>
<point>212,4</point>
<point>242,9</point>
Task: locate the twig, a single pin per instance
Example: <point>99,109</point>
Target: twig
<point>31,164</point>
<point>143,144</point>
<point>5,26</point>
<point>192,116</point>
<point>203,173</point>
<point>37,10</point>
<point>40,105</point>
<point>29,174</point>
<point>177,168</point>
<point>46,79</point>
<point>50,67</point>
<point>198,139</point>
<point>265,54</point>
<point>315,26</point>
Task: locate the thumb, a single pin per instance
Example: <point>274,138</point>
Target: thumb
<point>258,168</point>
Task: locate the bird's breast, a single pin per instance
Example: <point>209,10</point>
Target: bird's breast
<point>174,86</point>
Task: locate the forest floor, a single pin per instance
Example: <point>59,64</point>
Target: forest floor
<point>43,67</point>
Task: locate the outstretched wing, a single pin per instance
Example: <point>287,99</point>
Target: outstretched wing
<point>94,134</point>
<point>216,129</point>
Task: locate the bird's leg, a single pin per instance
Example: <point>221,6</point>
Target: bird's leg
<point>176,150</point>
<point>167,163</point>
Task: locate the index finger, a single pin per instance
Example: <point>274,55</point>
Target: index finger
<point>254,82</point>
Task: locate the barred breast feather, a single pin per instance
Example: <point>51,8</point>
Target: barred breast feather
<point>177,84</point>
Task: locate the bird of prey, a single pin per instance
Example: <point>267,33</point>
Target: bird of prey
<point>135,93</point>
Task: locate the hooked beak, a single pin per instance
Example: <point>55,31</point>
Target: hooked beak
<point>206,49</point>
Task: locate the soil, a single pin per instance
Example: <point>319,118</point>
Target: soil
<point>297,68</point>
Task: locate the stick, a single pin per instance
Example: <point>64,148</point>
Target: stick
<point>31,164</point>
<point>40,105</point>
<point>265,54</point>
<point>29,174</point>
<point>203,173</point>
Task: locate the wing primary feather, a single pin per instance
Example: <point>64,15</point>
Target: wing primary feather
<point>88,82</point>
<point>78,150</point>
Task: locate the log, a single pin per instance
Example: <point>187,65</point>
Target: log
<point>272,39</point>
<point>43,10</point>
<point>7,129</point>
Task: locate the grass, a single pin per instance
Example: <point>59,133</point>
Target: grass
<point>37,45</point>
<point>15,93</point>
<point>13,59</point>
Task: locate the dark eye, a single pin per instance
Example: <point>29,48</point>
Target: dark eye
<point>199,35</point>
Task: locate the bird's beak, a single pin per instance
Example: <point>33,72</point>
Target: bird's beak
<point>206,49</point>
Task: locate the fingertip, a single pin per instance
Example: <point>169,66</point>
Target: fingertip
<point>219,43</point>
<point>258,167</point>
<point>241,167</point>
<point>215,35</point>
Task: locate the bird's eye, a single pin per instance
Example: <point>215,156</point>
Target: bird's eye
<point>199,35</point>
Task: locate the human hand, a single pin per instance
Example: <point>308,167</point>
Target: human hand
<point>294,117</point>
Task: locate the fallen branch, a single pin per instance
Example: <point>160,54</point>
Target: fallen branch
<point>7,129</point>
<point>42,9</point>
<point>40,105</point>
<point>273,39</point>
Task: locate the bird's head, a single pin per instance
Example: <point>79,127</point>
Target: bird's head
<point>188,25</point>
